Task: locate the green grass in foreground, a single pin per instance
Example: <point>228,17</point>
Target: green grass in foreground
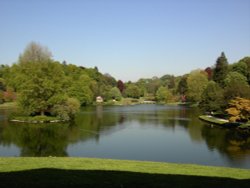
<point>89,172</point>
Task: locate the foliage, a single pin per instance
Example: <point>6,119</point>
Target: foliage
<point>34,52</point>
<point>41,83</point>
<point>67,109</point>
<point>164,95</point>
<point>245,72</point>
<point>235,77</point>
<point>133,91</point>
<point>209,72</point>
<point>42,86</point>
<point>236,89</point>
<point>197,82</point>
<point>168,81</point>
<point>1,97</point>
<point>153,85</point>
<point>115,93</point>
<point>239,109</point>
<point>120,86</point>
<point>182,85</point>
<point>221,69</point>
<point>240,67</point>
<point>212,98</point>
<point>80,89</point>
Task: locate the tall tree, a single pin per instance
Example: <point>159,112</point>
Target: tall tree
<point>35,52</point>
<point>197,81</point>
<point>221,69</point>
<point>120,86</point>
<point>42,86</point>
<point>182,85</point>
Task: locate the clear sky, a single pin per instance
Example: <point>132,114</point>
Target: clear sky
<point>128,39</point>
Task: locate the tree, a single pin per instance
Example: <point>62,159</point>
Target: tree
<point>42,82</point>
<point>2,84</point>
<point>212,98</point>
<point>209,72</point>
<point>34,52</point>
<point>196,82</point>
<point>182,85</point>
<point>164,95</point>
<point>246,60</point>
<point>153,85</point>
<point>42,87</point>
<point>221,69</point>
<point>115,93</point>
<point>168,81</point>
<point>236,86</point>
<point>239,109</point>
<point>120,86</point>
<point>240,67</point>
<point>236,89</point>
<point>235,77</point>
<point>80,89</point>
<point>133,91</point>
<point>67,109</point>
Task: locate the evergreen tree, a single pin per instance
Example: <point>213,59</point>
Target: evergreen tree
<point>221,69</point>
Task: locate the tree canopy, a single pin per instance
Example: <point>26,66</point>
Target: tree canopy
<point>43,86</point>
<point>221,69</point>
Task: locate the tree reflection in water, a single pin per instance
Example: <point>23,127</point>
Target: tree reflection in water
<point>100,122</point>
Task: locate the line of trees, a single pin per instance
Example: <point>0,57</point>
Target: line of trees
<point>43,86</point>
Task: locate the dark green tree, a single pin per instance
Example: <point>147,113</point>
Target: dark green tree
<point>220,70</point>
<point>182,85</point>
<point>212,98</point>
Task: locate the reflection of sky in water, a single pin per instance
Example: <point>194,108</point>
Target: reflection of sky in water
<point>10,150</point>
<point>140,132</point>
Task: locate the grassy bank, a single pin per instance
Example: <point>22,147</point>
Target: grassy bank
<point>76,172</point>
<point>8,105</point>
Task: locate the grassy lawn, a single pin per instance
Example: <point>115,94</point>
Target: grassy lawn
<point>89,172</point>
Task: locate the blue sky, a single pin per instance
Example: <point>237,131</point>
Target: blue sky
<point>128,39</point>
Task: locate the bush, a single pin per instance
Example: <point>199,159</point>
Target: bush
<point>67,110</point>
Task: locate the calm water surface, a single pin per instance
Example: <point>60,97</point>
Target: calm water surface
<point>140,132</point>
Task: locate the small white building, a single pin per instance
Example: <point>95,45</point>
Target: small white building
<point>99,99</point>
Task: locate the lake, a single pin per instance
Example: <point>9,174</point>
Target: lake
<point>140,132</point>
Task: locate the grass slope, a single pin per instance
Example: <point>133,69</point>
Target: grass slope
<point>8,105</point>
<point>78,172</point>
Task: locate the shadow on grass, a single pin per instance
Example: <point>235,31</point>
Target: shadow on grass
<point>119,179</point>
